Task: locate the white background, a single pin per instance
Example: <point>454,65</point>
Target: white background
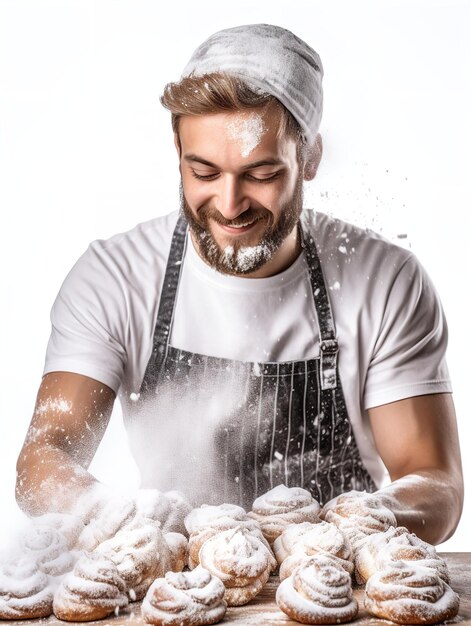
<point>86,151</point>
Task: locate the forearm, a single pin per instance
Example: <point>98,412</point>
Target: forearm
<point>427,502</point>
<point>50,480</point>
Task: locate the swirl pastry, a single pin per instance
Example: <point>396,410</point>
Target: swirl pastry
<point>208,520</point>
<point>306,539</point>
<point>24,591</point>
<point>179,509</point>
<point>358,515</point>
<point>178,546</point>
<point>408,593</point>
<point>69,526</point>
<point>48,548</point>
<point>318,592</point>
<point>282,506</point>
<point>116,513</point>
<point>93,590</point>
<point>215,516</point>
<point>396,544</point>
<point>169,508</point>
<point>299,558</point>
<point>240,560</point>
<point>140,554</point>
<point>189,598</point>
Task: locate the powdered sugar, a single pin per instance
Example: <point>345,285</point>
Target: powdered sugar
<point>282,499</point>
<point>408,591</point>
<point>25,591</point>
<point>312,538</point>
<point>236,557</point>
<point>139,552</point>
<point>49,549</point>
<point>320,588</point>
<point>214,516</point>
<point>282,506</point>
<point>396,544</point>
<point>187,597</point>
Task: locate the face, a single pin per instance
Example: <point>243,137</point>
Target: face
<point>241,191</point>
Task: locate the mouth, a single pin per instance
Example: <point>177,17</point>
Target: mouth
<point>240,228</point>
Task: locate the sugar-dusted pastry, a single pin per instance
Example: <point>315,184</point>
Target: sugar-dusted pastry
<point>307,539</point>
<point>358,515</point>
<point>408,593</point>
<point>299,558</point>
<point>169,508</point>
<point>190,598</point>
<point>93,590</point>
<point>114,514</point>
<point>318,592</point>
<point>179,509</point>
<point>69,526</point>
<point>178,546</point>
<point>396,544</point>
<point>241,560</point>
<point>282,506</point>
<point>207,520</point>
<point>215,516</point>
<point>25,591</point>
<point>49,549</point>
<point>140,554</point>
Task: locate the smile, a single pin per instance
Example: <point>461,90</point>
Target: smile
<point>242,225</point>
<point>240,228</point>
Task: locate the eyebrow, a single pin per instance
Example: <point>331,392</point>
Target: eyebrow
<point>195,157</point>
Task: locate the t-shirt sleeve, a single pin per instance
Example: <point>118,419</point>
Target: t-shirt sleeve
<point>88,321</point>
<point>408,357</point>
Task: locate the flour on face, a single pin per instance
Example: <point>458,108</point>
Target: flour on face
<point>247,130</point>
<point>243,260</point>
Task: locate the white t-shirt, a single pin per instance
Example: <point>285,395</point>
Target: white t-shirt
<point>390,324</point>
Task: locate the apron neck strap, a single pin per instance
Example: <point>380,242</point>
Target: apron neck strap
<point>327,339</point>
<point>173,270</point>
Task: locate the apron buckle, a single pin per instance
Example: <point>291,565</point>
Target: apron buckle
<point>329,349</point>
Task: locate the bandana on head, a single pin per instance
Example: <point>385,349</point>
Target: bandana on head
<point>269,59</point>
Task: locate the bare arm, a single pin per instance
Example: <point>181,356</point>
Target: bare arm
<point>417,439</point>
<point>69,420</point>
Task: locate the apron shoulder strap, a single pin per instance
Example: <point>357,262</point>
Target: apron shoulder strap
<point>328,343</point>
<point>166,305</point>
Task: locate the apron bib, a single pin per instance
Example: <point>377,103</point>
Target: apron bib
<point>267,423</point>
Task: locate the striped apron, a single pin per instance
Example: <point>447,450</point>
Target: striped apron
<point>286,422</point>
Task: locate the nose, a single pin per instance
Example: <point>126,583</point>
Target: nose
<point>230,199</point>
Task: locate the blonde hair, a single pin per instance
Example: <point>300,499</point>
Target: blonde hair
<point>219,92</point>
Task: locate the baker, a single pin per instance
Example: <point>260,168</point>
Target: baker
<point>254,340</point>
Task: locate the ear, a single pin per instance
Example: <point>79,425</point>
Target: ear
<point>313,159</point>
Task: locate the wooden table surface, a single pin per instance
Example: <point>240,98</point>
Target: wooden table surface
<point>263,610</point>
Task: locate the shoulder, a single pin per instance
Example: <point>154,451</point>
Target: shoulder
<point>148,238</point>
<point>361,254</point>
<point>337,238</point>
<point>131,261</point>
<point>128,256</point>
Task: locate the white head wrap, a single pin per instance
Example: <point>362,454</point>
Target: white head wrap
<point>269,59</point>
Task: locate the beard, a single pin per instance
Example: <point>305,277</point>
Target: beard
<point>241,258</point>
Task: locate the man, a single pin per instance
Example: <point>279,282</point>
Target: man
<point>251,342</point>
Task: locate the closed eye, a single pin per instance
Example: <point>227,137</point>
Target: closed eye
<point>210,177</point>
